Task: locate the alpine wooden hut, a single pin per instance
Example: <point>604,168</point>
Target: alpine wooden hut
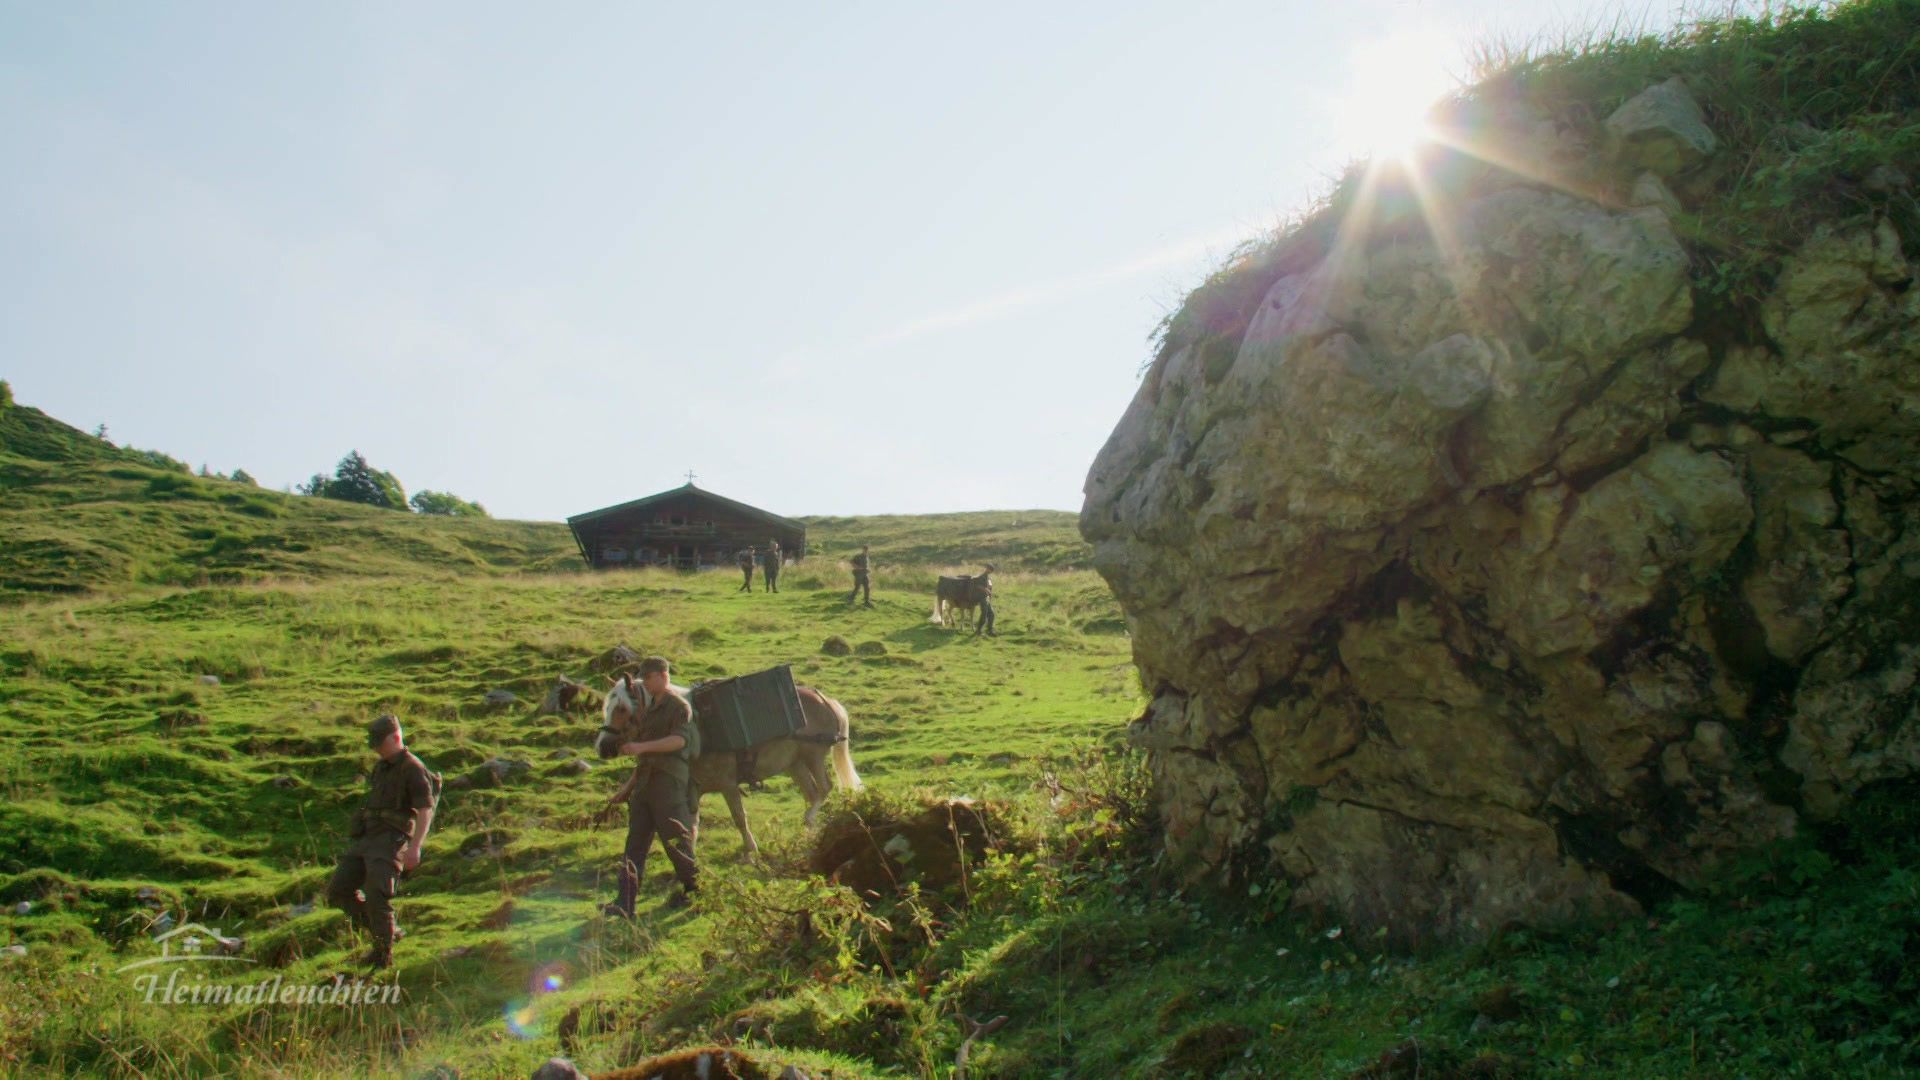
<point>685,527</point>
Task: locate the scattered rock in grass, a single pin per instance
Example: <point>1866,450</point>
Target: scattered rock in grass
<point>485,844</point>
<point>24,907</point>
<point>615,660</point>
<point>498,698</point>
<point>210,680</point>
<point>494,772</point>
<point>871,648</point>
<point>836,646</point>
<point>14,950</point>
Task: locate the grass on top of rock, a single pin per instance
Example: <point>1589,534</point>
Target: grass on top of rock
<point>1816,109</point>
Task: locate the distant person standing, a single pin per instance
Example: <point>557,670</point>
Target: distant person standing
<point>771,565</point>
<point>387,832</point>
<point>983,591</point>
<point>745,562</point>
<point>862,576</point>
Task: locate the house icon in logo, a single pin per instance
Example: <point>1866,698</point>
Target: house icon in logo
<point>191,942</point>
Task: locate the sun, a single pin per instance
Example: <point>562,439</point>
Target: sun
<point>1391,83</point>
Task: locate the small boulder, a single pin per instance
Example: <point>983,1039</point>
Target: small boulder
<point>499,698</point>
<point>615,660</point>
<point>836,646</point>
<point>485,845</point>
<point>298,910</point>
<point>458,783</point>
<point>559,1068</point>
<point>24,907</point>
<point>576,767</point>
<point>494,772</point>
<point>209,680</point>
<point>14,950</point>
<point>1662,129</point>
<point>162,924</point>
<point>1650,190</point>
<point>871,648</point>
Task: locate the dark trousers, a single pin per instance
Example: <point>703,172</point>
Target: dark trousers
<point>364,881</point>
<point>773,578</point>
<point>658,806</point>
<point>860,585</point>
<point>747,585</point>
<point>986,619</point>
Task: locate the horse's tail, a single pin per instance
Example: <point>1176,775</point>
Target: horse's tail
<point>935,618</point>
<point>842,753</point>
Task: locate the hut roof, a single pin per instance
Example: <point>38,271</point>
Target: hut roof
<point>686,489</point>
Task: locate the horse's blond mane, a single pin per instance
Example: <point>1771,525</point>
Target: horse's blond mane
<point>617,698</point>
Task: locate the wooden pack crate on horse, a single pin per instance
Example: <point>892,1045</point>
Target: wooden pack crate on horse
<point>741,713</point>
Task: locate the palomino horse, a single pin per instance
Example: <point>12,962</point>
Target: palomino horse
<point>802,755</point>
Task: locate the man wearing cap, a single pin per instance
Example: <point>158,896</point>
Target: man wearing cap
<point>657,793</point>
<point>387,832</point>
<point>771,566</point>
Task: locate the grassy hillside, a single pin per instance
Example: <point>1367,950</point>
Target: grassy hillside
<point>79,514</point>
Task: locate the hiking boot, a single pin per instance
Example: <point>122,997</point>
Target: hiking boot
<point>615,911</point>
<point>378,958</point>
<point>680,901</point>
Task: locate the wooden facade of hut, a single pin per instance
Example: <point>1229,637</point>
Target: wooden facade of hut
<point>685,527</point>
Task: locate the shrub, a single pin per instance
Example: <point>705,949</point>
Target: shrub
<point>356,481</point>
<point>445,504</point>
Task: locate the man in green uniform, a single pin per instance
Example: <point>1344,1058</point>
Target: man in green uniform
<point>862,570</point>
<point>657,793</point>
<point>745,562</point>
<point>387,832</point>
<point>772,566</point>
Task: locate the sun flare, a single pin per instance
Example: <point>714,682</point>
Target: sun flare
<point>1392,82</point>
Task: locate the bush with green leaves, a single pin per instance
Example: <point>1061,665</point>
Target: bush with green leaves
<point>6,395</point>
<point>445,504</point>
<point>356,481</point>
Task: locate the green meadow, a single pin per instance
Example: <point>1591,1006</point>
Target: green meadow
<point>187,664</point>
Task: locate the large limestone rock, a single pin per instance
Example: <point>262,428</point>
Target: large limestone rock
<point>1477,581</point>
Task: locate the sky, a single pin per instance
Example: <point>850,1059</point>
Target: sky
<point>838,258</point>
